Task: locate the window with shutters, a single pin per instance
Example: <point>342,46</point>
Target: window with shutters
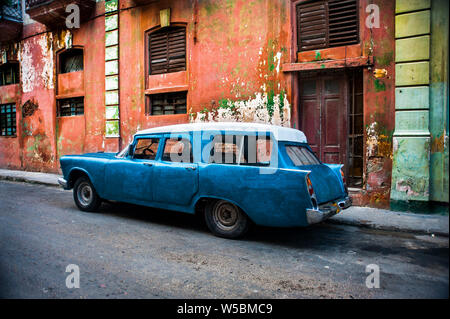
<point>167,50</point>
<point>327,23</point>
<point>166,103</point>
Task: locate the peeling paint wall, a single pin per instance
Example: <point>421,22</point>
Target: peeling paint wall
<point>260,109</point>
<point>236,52</point>
<point>439,101</point>
<point>420,170</point>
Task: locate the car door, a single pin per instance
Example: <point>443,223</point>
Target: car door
<point>175,176</point>
<point>129,179</point>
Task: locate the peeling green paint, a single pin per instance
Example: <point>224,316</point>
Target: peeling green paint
<point>379,85</point>
<point>385,59</point>
<point>318,55</point>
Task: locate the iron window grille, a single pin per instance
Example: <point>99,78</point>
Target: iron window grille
<point>327,23</point>
<point>167,50</point>
<point>166,103</point>
<point>11,10</point>
<point>7,120</point>
<point>71,107</point>
<point>356,131</point>
<point>34,3</point>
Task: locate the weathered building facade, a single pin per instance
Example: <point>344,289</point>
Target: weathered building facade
<point>365,83</point>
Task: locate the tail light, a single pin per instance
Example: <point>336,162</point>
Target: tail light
<point>342,174</point>
<point>343,179</point>
<point>311,191</point>
<point>310,187</point>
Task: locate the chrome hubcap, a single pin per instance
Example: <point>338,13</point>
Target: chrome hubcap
<point>85,194</point>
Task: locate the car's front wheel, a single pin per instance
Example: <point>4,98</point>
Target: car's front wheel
<point>225,219</point>
<point>85,195</point>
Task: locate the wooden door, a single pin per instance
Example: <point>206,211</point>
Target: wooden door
<point>323,112</point>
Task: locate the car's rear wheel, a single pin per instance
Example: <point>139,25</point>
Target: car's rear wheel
<point>85,195</point>
<point>225,219</point>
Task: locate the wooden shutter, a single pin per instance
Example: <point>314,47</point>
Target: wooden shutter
<point>312,25</point>
<point>343,22</point>
<point>167,50</point>
<point>327,23</point>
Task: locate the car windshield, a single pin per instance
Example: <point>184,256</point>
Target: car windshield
<point>300,155</point>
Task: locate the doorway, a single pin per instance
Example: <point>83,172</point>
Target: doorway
<point>331,116</point>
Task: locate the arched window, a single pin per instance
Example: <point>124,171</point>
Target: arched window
<point>71,60</point>
<point>167,50</point>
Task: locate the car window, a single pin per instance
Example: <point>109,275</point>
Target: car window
<point>146,148</point>
<point>263,150</point>
<point>300,155</point>
<point>226,149</point>
<point>241,149</point>
<point>178,150</point>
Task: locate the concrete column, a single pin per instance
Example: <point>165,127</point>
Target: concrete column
<point>439,103</point>
<point>411,141</point>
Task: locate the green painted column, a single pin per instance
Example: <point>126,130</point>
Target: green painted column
<point>112,113</point>
<point>411,153</point>
<point>439,101</point>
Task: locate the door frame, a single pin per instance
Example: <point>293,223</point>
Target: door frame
<point>344,91</point>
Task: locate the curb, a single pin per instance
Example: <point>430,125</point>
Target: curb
<point>369,225</point>
<point>26,180</point>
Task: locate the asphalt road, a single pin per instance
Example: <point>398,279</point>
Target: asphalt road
<point>127,251</point>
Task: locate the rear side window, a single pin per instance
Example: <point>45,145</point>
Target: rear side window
<point>241,149</point>
<point>177,150</point>
<point>146,148</point>
<point>300,155</point>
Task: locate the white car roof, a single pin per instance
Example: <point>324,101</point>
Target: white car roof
<point>280,133</point>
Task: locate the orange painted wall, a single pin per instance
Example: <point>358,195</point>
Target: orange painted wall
<point>231,50</point>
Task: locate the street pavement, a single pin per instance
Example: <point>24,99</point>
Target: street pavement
<point>375,218</point>
<point>128,251</point>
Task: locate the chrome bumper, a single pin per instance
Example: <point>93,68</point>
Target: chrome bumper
<point>62,182</point>
<point>314,216</point>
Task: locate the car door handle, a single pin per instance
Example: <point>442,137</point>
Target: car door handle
<point>193,168</point>
<point>148,164</point>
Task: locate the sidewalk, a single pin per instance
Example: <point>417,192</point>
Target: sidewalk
<point>393,221</point>
<point>29,177</point>
<point>356,216</point>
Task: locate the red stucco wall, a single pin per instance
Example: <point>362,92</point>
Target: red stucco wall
<point>231,47</point>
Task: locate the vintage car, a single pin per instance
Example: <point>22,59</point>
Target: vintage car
<point>235,174</point>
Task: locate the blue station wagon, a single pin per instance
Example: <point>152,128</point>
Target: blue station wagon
<point>235,174</point>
